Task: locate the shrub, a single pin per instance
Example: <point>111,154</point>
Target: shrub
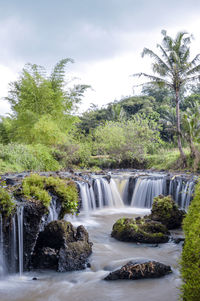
<point>7,205</point>
<point>19,157</point>
<point>190,259</point>
<point>38,187</point>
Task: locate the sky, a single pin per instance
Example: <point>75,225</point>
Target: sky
<point>104,37</point>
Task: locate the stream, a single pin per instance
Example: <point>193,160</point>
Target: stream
<point>103,201</point>
<point>108,254</point>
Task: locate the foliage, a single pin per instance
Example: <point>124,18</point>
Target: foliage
<point>38,187</point>
<point>174,70</point>
<point>128,139</point>
<point>166,158</point>
<point>41,105</point>
<point>7,205</point>
<point>19,157</point>
<point>190,259</point>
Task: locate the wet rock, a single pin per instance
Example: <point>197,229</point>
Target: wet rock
<point>33,221</point>
<point>134,271</point>
<point>62,247</point>
<point>165,210</point>
<point>177,240</point>
<point>140,230</point>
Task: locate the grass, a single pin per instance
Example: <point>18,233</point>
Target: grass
<point>167,159</point>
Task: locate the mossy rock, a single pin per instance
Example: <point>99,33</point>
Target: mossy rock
<point>7,205</point>
<point>63,247</point>
<point>166,211</point>
<point>38,188</point>
<point>140,230</point>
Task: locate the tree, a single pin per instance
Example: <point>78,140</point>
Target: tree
<point>174,70</point>
<point>191,126</point>
<point>38,99</point>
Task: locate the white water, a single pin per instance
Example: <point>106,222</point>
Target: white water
<point>108,255</point>
<point>20,237</point>
<point>145,191</point>
<point>13,245</point>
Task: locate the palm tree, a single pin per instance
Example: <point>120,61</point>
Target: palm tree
<point>174,69</point>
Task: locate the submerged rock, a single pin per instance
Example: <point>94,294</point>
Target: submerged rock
<point>62,247</point>
<point>134,271</point>
<point>140,230</point>
<point>165,210</point>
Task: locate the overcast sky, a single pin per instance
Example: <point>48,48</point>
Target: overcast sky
<point>104,37</point>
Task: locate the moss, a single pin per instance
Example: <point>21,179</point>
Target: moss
<point>39,188</point>
<point>190,259</point>
<point>163,205</point>
<point>141,230</point>
<point>7,205</point>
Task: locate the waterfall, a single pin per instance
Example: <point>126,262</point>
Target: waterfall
<point>20,210</point>
<point>13,245</point>
<point>98,192</point>
<point>117,200</point>
<point>102,193</point>
<point>87,197</point>
<point>145,191</point>
<point>53,214</point>
<point>137,190</point>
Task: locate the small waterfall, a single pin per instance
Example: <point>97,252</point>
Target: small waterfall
<point>13,245</point>
<point>20,210</point>
<point>117,200</point>
<point>53,213</point>
<point>2,260</point>
<point>98,192</point>
<point>87,197</point>
<point>186,194</point>
<point>145,191</point>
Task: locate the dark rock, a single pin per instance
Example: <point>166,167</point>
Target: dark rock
<point>140,231</point>
<point>62,247</point>
<point>134,271</point>
<point>33,221</point>
<point>177,240</point>
<point>34,278</point>
<point>165,210</point>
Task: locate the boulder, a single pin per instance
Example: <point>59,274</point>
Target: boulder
<point>140,230</point>
<point>134,271</point>
<point>62,247</point>
<point>165,210</point>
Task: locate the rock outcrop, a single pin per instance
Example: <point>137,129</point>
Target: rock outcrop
<point>140,230</point>
<point>165,210</point>
<point>134,271</point>
<point>62,247</point>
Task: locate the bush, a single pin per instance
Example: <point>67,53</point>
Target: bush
<point>38,187</point>
<point>190,259</point>
<point>19,157</point>
<point>7,205</point>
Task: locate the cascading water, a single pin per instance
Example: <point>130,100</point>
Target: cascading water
<point>137,190</point>
<point>20,210</point>
<point>102,193</point>
<point>145,191</point>
<point>13,245</point>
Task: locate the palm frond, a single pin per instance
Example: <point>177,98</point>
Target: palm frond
<point>194,70</point>
<point>152,54</point>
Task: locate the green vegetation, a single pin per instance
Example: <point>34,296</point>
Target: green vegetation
<point>7,205</point>
<point>174,70</point>
<point>139,230</point>
<point>39,188</point>
<point>45,132</point>
<point>190,260</point>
